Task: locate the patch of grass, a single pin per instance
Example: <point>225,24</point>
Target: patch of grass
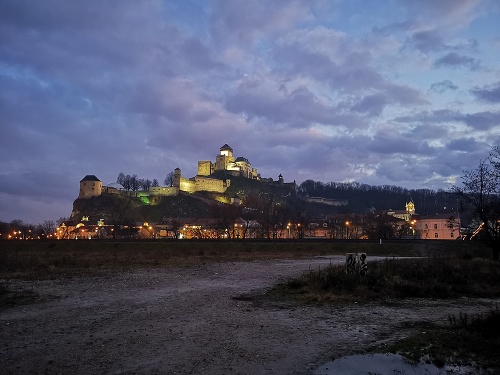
<point>397,278</point>
<point>466,340</point>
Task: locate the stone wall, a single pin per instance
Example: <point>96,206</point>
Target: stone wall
<point>164,190</point>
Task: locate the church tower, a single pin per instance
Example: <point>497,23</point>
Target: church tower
<point>410,208</point>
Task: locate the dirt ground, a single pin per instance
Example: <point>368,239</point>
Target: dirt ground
<point>192,320</point>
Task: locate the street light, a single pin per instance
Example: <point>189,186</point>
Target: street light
<point>347,230</point>
<point>413,222</point>
<point>288,227</point>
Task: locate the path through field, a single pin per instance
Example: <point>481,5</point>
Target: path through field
<point>192,320</point>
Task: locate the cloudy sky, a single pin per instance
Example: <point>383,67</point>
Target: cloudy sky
<point>383,92</point>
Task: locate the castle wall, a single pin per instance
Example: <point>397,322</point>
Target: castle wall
<point>211,184</point>
<point>187,185</point>
<point>164,190</point>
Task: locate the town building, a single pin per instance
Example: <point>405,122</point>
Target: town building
<point>438,227</point>
<point>406,215</point>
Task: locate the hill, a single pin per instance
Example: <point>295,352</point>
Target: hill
<point>360,198</point>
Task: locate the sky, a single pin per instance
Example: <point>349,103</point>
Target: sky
<point>381,92</point>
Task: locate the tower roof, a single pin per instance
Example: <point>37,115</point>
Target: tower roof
<point>226,147</point>
<point>241,158</point>
<point>90,177</point>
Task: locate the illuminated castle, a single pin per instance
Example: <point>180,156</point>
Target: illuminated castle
<point>91,186</point>
<point>225,161</point>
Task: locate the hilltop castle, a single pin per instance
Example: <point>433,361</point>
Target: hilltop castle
<point>225,161</point>
<point>91,186</point>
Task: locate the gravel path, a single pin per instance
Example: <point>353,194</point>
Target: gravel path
<point>191,321</point>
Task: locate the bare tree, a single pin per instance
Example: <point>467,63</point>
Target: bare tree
<point>121,179</point>
<point>252,214</point>
<point>48,227</point>
<point>169,179</point>
<point>121,212</point>
<point>135,183</point>
<point>226,215</point>
<point>480,192</point>
<point>61,220</point>
<point>145,184</point>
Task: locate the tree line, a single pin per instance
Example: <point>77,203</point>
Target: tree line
<point>17,229</point>
<point>363,197</point>
<point>134,183</point>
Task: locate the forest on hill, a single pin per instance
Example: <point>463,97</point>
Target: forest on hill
<point>363,197</point>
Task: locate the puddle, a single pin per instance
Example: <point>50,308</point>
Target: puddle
<point>385,364</point>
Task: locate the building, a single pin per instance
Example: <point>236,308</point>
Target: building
<point>432,227</point>
<point>406,215</point>
<point>438,227</point>
<point>226,161</point>
<point>199,183</point>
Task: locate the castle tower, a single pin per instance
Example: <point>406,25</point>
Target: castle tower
<point>90,186</point>
<point>224,159</point>
<point>226,150</point>
<point>205,168</point>
<point>177,178</point>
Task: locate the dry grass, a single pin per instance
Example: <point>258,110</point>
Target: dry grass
<point>54,259</point>
<point>445,277</point>
<point>467,340</point>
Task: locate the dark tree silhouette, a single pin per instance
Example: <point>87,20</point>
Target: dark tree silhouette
<point>480,192</point>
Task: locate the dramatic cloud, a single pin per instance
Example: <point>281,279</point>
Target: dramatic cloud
<point>383,92</point>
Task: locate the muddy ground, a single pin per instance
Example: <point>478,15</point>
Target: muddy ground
<point>192,320</point>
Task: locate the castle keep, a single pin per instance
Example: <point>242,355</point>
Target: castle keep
<point>225,161</point>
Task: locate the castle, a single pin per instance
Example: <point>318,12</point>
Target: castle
<point>91,186</point>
